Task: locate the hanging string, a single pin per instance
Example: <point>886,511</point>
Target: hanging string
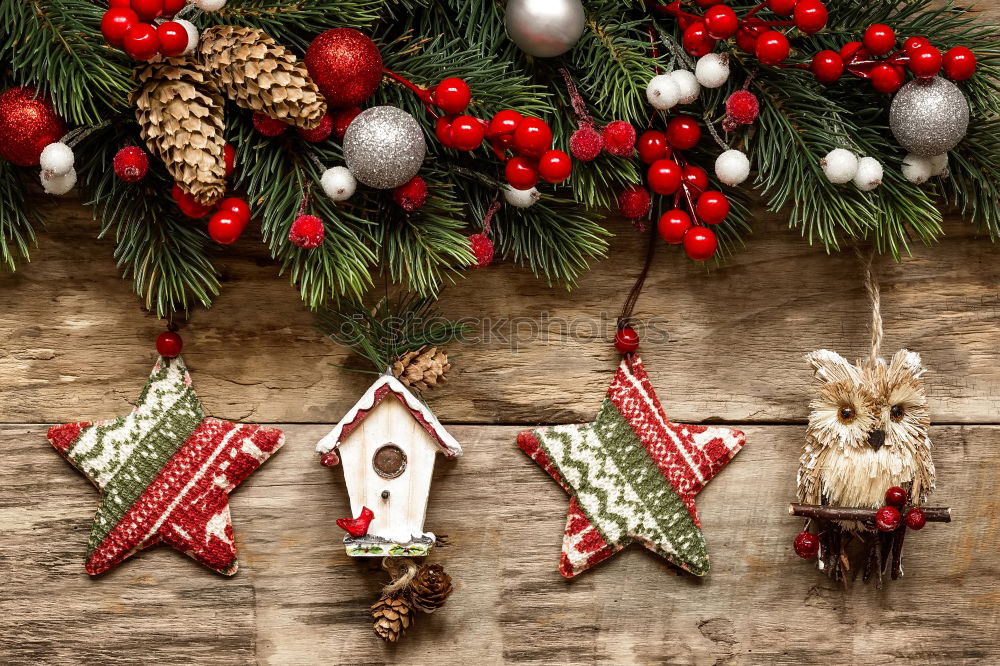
<point>625,317</point>
<point>402,570</point>
<point>875,300</point>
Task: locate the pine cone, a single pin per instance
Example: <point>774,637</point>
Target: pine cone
<point>430,588</point>
<point>422,369</point>
<point>261,75</point>
<point>393,615</point>
<point>180,115</point>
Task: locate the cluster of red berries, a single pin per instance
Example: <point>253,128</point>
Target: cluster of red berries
<point>887,74</point>
<point>128,24</point>
<point>229,217</point>
<point>531,141</point>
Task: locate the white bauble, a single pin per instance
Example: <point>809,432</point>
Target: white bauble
<point>712,70</point>
<point>521,198</point>
<point>59,185</point>
<point>338,183</point>
<point>545,28</point>
<point>939,163</point>
<point>916,169</point>
<point>869,174</point>
<point>687,84</point>
<point>732,167</point>
<point>210,5</point>
<point>192,33</point>
<point>662,93</point>
<point>56,158</point>
<point>840,165</point>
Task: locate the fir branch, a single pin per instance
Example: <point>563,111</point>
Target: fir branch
<point>16,232</point>
<point>296,23</point>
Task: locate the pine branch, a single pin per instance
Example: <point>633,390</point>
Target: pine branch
<point>16,232</point>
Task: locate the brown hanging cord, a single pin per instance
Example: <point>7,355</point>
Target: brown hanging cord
<point>402,570</point>
<point>624,319</point>
<point>875,300</point>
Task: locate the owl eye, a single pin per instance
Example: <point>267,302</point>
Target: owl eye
<point>896,413</point>
<point>846,414</point>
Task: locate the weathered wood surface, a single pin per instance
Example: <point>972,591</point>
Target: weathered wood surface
<point>299,599</point>
<point>76,340</point>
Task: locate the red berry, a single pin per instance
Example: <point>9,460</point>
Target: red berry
<point>411,195</point>
<point>742,107</point>
<point>342,118</point>
<point>169,344</point>
<point>887,519</point>
<point>452,96</point>
<point>141,42</point>
<point>586,144</point>
<point>225,227</point>
<point>268,126</point>
<point>229,155</point>
<point>504,122</point>
<point>521,173</point>
<point>131,164</point>
<point>772,47</point>
<point>116,24</point>
<point>827,66</point>
<point>307,232</point>
<point>895,496</point>
<point>886,78</point>
<point>664,176</point>
<point>467,132</point>
<point>925,62</point>
<point>235,206</point>
<point>626,340</point>
<point>683,132</point>
<point>171,7</point>
<point>746,36</point>
<point>652,146</point>
<point>532,137</point>
<point>673,225</point>
<point>634,202</point>
<point>700,243</point>
<point>852,50</point>
<point>619,138</point>
<point>555,166</point>
<point>721,22</point>
<point>810,16</point>
<point>782,7</point>
<point>442,130</point>
<point>696,40</point>
<point>879,39</point>
<point>806,545</point>
<point>712,207</point>
<point>959,63</point>
<point>482,250</point>
<point>147,9</point>
<point>188,204</point>
<point>320,133</point>
<point>915,42</point>
<point>695,176</point>
<point>173,38</point>
<point>915,518</point>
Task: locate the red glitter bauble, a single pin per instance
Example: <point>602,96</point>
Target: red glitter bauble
<point>586,144</point>
<point>482,250</point>
<point>743,107</point>
<point>619,138</point>
<point>411,195</point>
<point>169,344</point>
<point>346,65</point>
<point>307,231</point>
<point>27,125</point>
<point>131,164</point>
<point>341,119</point>
<point>319,133</point>
<point>634,202</point>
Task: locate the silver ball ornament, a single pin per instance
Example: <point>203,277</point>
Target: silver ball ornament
<point>929,117</point>
<point>545,28</point>
<point>384,147</point>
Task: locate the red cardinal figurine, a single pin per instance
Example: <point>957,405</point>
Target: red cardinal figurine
<point>357,526</point>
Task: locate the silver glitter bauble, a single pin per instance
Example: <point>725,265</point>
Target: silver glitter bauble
<point>545,28</point>
<point>384,147</point>
<point>929,117</point>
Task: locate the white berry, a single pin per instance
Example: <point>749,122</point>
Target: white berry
<point>56,158</point>
<point>210,5</point>
<point>192,33</point>
<point>338,183</point>
<point>662,93</point>
<point>939,163</point>
<point>521,198</point>
<point>687,84</point>
<point>869,174</point>
<point>712,70</point>
<point>59,185</point>
<point>916,169</point>
<point>840,165</point>
<point>732,167</point>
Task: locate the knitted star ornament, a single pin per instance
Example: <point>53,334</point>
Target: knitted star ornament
<point>632,475</point>
<point>165,473</point>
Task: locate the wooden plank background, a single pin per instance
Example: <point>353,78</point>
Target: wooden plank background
<point>77,344</point>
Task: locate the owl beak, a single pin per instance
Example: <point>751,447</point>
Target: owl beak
<point>876,438</point>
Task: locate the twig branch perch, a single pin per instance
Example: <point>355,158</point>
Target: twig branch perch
<point>932,514</point>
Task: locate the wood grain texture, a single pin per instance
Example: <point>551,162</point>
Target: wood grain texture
<point>299,599</point>
<point>728,346</point>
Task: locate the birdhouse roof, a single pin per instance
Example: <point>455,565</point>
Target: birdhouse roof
<point>385,386</point>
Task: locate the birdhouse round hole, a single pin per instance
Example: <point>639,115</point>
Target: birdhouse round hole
<point>389,461</point>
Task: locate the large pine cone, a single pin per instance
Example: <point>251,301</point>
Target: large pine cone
<point>180,114</point>
<point>422,369</point>
<point>261,75</point>
<point>393,615</point>
<point>430,587</point>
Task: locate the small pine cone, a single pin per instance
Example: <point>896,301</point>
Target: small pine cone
<point>261,75</point>
<point>430,587</point>
<point>393,615</point>
<point>180,114</point>
<point>422,369</point>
